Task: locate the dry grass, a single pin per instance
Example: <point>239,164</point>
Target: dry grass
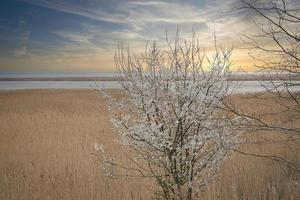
<point>47,139</point>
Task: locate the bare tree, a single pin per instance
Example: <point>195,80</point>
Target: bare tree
<point>277,48</point>
<point>169,116</point>
<point>279,54</point>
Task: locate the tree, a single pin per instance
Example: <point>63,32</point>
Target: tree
<point>277,49</point>
<point>169,115</point>
<point>280,57</point>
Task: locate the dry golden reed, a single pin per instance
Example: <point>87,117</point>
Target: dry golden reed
<point>47,151</point>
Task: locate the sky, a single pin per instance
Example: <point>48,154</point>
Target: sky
<point>82,35</point>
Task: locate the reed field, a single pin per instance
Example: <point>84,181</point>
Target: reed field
<point>47,151</point>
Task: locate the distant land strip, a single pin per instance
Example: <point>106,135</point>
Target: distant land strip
<point>231,78</point>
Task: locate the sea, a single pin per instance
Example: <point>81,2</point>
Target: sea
<point>247,86</point>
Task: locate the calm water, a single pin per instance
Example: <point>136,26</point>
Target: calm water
<point>237,86</point>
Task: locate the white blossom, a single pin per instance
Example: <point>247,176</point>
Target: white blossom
<point>170,114</point>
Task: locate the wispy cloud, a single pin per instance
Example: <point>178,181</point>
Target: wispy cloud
<point>23,38</point>
<point>81,38</point>
<point>132,22</point>
<point>22,51</point>
<point>138,16</point>
<point>77,9</point>
<point>138,13</point>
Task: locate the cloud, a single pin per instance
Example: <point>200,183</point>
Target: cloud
<point>23,38</point>
<point>22,51</point>
<point>77,9</point>
<point>74,37</point>
<point>133,22</point>
<point>138,14</point>
<point>25,35</point>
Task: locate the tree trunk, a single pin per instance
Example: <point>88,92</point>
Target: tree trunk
<point>189,195</point>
